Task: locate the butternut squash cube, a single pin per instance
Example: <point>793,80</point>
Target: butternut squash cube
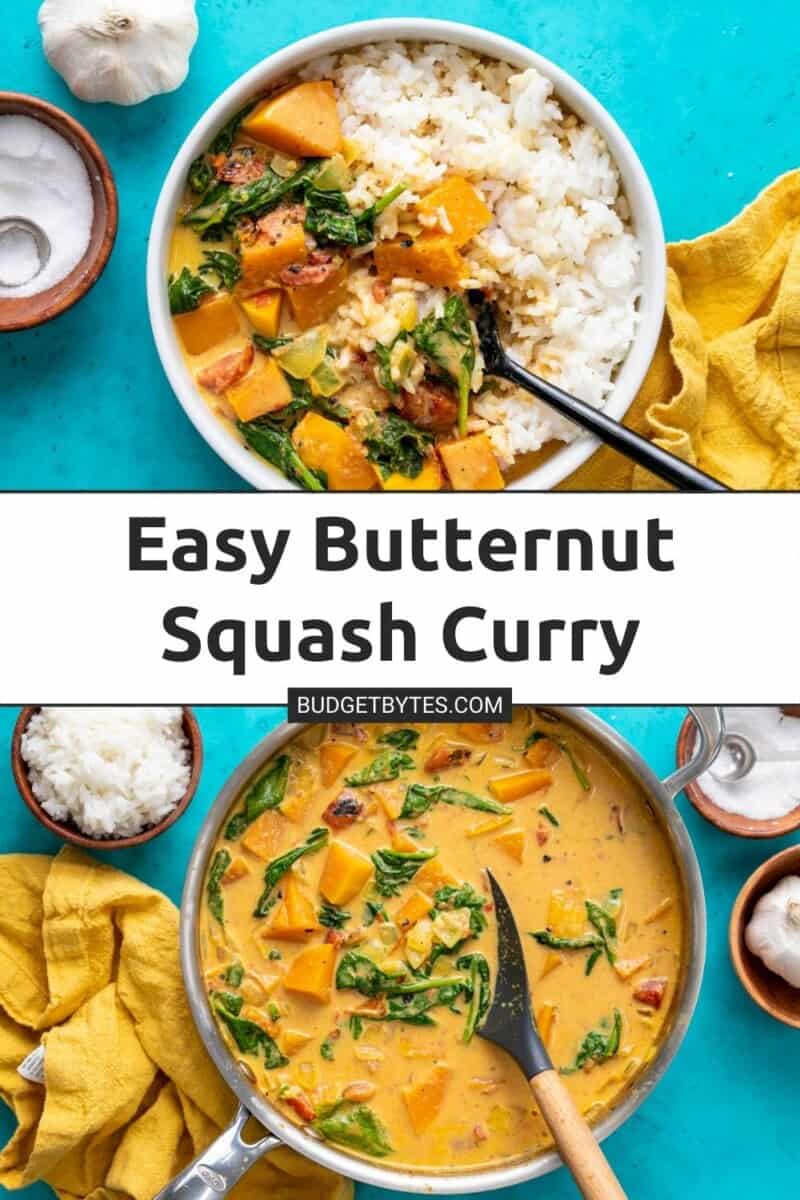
<point>311,973</point>
<point>403,842</point>
<point>433,875</point>
<point>302,120</point>
<point>465,211</point>
<point>471,464</point>
<point>521,783</point>
<point>543,753</point>
<point>552,960</point>
<point>431,258</point>
<point>545,1020</point>
<point>264,389</point>
<point>265,835</point>
<point>626,968</point>
<point>263,260</point>
<point>428,480</point>
<point>512,842</point>
<point>490,826</point>
<point>424,1099</point>
<point>333,758</point>
<point>345,873</point>
<point>292,1040</point>
<point>263,311</point>
<point>238,869</point>
<point>213,322</point>
<point>417,906</point>
<point>295,919</point>
<point>566,913</point>
<point>311,305</point>
<point>325,446</point>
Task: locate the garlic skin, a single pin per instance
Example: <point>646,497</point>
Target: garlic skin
<point>773,932</point>
<point>122,51</point>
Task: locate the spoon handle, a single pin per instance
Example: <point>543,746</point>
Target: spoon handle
<point>667,466</point>
<point>576,1143</point>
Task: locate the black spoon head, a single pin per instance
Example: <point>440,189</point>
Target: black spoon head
<point>509,1022</point>
<point>485,315</point>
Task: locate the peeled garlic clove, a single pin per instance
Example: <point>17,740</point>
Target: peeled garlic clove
<point>121,51</point>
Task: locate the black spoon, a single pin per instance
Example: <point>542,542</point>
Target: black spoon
<point>667,466</point>
<point>509,1024</point>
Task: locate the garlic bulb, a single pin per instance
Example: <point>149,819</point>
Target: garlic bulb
<point>119,50</point>
<point>773,933</point>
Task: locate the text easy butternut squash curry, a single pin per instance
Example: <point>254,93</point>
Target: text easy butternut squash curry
<point>348,944</point>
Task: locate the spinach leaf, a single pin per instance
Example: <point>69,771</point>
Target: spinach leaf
<point>277,448</point>
<point>200,175</point>
<point>219,865</point>
<point>549,816</point>
<point>598,1045</point>
<point>355,1126</point>
<point>249,1037</point>
<point>267,792</point>
<point>384,371</point>
<point>326,1049</point>
<point>448,342</point>
<point>395,868</point>
<point>585,941</point>
<point>580,774</point>
<point>372,910</point>
<point>234,974</point>
<point>223,142</point>
<point>358,973</point>
<point>463,896</point>
<point>185,291</point>
<point>420,798</point>
<point>268,344</point>
<point>332,917</point>
<point>387,765</point>
<point>413,1007</point>
<point>395,445</point>
<point>225,266</point>
<point>401,739</point>
<point>606,926</point>
<point>366,219</point>
<point>231,1002</point>
<point>479,991</point>
<point>276,869</point>
<point>221,208</point>
<point>356,1025</point>
<point>329,219</point>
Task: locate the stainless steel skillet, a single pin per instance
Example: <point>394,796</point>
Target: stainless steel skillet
<point>224,1162</point>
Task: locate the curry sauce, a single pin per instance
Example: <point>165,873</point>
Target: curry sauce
<point>348,940</point>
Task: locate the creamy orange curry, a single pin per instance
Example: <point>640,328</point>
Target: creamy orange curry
<point>348,941</point>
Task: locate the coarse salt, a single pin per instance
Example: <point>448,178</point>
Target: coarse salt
<point>771,788</point>
<point>43,180</point>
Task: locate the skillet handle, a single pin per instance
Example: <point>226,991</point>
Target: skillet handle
<point>222,1164</point>
<point>710,722</point>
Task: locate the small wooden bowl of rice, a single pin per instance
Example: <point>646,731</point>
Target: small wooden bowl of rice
<point>107,778</point>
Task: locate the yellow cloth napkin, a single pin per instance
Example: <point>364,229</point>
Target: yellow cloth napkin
<point>724,387</point>
<point>89,965</point>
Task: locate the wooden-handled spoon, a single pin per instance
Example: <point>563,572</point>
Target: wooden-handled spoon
<point>509,1024</point>
<point>616,435</point>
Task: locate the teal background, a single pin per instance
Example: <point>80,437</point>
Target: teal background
<point>707,92</point>
<point>722,1123</point>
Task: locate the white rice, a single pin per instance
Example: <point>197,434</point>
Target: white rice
<point>111,771</point>
<point>559,255</point>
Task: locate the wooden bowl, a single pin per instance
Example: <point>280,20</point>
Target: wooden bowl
<point>26,311</point>
<point>769,991</point>
<point>70,832</point>
<point>727,821</point>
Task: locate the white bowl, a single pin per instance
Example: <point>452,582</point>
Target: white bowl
<point>642,202</point>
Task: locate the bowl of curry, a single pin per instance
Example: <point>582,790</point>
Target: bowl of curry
<point>338,939</point>
<point>320,229</point>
